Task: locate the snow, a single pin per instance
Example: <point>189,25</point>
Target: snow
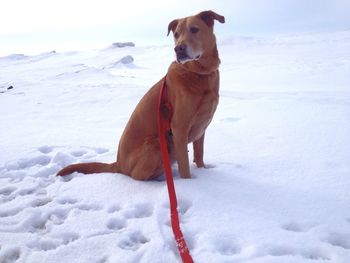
<point>277,186</point>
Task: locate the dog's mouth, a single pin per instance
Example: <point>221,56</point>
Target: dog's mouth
<point>184,57</point>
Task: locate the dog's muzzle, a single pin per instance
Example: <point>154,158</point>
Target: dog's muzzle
<point>182,54</point>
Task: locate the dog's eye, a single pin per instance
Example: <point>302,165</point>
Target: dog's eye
<point>176,35</point>
<point>194,30</point>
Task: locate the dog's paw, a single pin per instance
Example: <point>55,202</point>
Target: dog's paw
<point>206,166</point>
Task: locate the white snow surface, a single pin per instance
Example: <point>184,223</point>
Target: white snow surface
<point>278,150</point>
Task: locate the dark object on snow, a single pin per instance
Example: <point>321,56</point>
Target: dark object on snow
<point>126,60</point>
<point>3,89</point>
<point>123,44</point>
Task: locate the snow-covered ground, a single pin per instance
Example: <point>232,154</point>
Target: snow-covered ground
<point>278,186</point>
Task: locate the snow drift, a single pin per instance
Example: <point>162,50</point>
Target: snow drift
<point>277,189</point>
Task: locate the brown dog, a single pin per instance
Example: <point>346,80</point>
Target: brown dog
<point>193,90</point>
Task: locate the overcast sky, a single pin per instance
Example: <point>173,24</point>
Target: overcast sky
<point>30,26</point>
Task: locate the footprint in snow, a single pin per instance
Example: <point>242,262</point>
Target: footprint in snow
<point>40,220</point>
<point>43,164</point>
<point>43,244</point>
<point>28,190</point>
<point>63,159</point>
<point>13,211</point>
<point>58,216</point>
<point>225,245</point>
<point>222,244</point>
<point>104,259</point>
<point>54,158</point>
<point>306,253</point>
<point>10,212</point>
<point>88,207</point>
<point>133,241</point>
<point>51,243</point>
<point>6,191</point>
<point>116,223</point>
<point>26,163</point>
<point>45,149</point>
<point>140,210</point>
<point>183,208</point>
<point>79,153</point>
<point>68,204</point>
<point>35,223</point>
<point>40,202</point>
<point>121,216</point>
<point>298,227</point>
<point>341,240</point>
<point>113,208</point>
<point>10,255</point>
<point>66,200</point>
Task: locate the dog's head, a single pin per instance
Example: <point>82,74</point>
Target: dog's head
<point>194,35</point>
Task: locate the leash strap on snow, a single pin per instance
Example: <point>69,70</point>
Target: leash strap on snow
<point>164,117</point>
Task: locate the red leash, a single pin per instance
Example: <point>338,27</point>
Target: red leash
<point>164,117</point>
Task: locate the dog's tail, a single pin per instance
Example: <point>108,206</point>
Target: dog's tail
<point>90,168</point>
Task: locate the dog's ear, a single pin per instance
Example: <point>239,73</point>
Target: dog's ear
<point>209,16</point>
<point>172,25</point>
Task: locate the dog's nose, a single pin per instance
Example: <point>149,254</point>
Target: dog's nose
<point>180,48</point>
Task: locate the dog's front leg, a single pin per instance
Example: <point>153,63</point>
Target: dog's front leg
<point>198,151</point>
<point>180,139</point>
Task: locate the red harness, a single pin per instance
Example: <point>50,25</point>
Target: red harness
<point>165,112</point>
